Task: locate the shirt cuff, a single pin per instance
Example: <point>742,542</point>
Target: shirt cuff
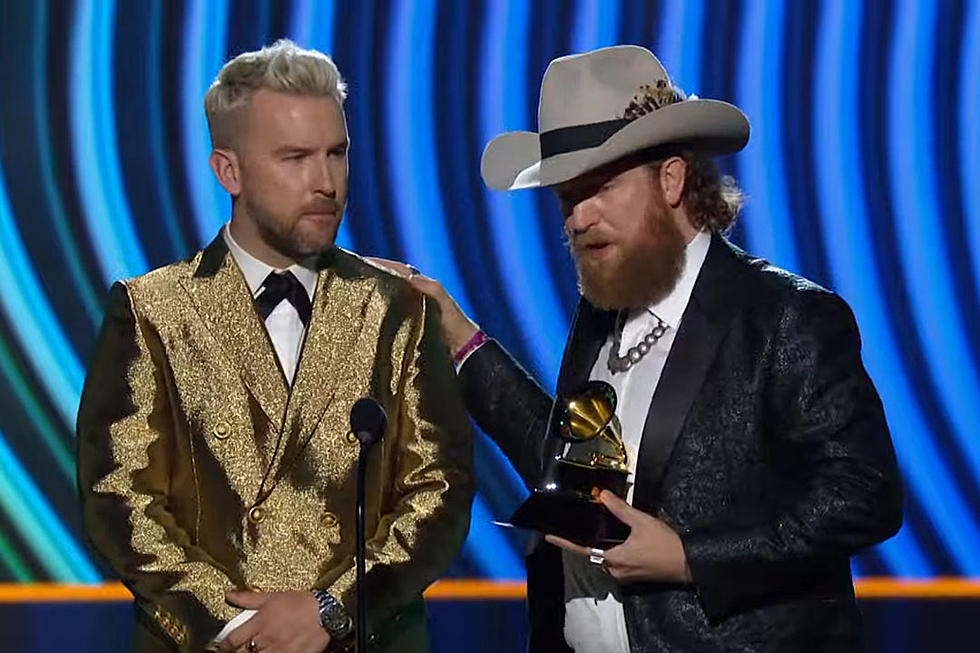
<point>241,618</point>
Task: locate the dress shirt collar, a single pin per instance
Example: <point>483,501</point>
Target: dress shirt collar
<point>255,271</point>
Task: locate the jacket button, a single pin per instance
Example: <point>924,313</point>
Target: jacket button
<point>222,430</point>
<point>256,514</point>
<point>351,437</point>
<point>330,519</point>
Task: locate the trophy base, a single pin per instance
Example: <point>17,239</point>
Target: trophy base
<point>572,517</point>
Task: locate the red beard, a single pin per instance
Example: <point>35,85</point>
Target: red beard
<point>638,273</point>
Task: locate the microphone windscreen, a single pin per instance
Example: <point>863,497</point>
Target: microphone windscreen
<point>368,420</point>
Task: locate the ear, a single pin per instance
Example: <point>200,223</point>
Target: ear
<point>226,168</point>
<point>673,172</point>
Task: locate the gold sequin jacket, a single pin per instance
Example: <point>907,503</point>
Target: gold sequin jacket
<point>201,471</point>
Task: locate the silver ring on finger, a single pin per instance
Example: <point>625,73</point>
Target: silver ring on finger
<point>597,557</point>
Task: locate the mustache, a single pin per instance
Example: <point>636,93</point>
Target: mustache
<point>325,205</point>
<point>578,244</point>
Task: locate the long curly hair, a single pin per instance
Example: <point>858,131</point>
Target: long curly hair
<point>712,200</point>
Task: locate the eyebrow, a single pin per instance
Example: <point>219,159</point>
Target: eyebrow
<point>290,149</point>
<point>304,149</point>
<point>586,183</point>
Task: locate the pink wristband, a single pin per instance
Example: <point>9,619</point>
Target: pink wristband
<point>475,341</point>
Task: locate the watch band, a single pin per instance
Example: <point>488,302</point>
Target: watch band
<point>333,617</point>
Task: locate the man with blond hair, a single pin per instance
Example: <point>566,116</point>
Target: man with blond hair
<point>215,464</point>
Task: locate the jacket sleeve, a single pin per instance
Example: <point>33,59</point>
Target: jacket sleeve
<point>126,442</point>
<point>509,406</point>
<point>433,486</point>
<point>825,416</point>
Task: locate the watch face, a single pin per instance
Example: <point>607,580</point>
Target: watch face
<point>336,621</point>
<point>342,628</point>
<point>333,617</point>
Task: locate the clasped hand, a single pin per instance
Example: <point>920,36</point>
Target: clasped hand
<point>285,622</point>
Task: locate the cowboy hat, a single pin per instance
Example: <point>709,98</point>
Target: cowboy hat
<point>602,105</point>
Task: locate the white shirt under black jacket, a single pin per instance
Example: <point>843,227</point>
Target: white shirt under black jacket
<point>594,619</point>
<point>286,329</point>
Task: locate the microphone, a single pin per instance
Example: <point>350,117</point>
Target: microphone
<point>367,422</point>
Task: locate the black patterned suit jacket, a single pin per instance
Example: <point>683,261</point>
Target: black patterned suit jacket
<point>765,447</point>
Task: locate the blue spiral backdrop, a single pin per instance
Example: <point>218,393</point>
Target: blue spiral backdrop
<point>862,173</point>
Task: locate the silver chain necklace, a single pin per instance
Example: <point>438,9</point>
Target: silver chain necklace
<point>635,353</point>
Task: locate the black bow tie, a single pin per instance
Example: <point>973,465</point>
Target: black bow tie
<point>283,286</point>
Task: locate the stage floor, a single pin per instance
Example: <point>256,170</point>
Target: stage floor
<point>477,626</point>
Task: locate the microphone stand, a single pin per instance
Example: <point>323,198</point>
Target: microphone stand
<point>367,422</point>
<point>362,459</point>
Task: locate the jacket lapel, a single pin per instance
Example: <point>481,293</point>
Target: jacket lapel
<point>340,303</point>
<point>223,301</point>
<point>590,328</point>
<point>706,320</point>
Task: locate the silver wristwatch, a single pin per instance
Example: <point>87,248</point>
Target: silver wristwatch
<point>333,617</point>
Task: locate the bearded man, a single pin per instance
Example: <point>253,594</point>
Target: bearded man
<point>216,466</point>
<point>759,456</point>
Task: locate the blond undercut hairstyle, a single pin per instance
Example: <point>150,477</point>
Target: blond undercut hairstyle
<point>284,67</point>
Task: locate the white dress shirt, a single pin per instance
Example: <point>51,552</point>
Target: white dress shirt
<point>594,619</point>
<point>286,329</point>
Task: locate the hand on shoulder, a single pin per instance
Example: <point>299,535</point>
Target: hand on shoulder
<point>457,327</point>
